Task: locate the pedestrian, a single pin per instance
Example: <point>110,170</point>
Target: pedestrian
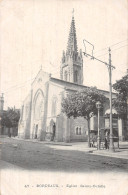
<point>106,143</point>
<point>53,132</point>
<point>107,140</point>
<point>93,142</point>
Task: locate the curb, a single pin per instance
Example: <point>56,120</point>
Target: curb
<point>43,142</point>
<point>112,155</point>
<point>86,150</point>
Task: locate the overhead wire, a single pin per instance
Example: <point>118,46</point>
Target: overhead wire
<point>107,52</point>
<point>111,46</point>
<point>56,72</point>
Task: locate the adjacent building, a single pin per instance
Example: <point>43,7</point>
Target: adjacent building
<point>8,120</point>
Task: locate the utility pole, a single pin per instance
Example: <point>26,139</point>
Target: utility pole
<point>109,66</point>
<point>127,104</point>
<point>111,145</point>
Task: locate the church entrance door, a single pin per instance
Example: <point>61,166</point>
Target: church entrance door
<point>36,130</point>
<point>53,132</point>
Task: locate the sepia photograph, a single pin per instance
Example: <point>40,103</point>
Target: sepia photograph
<point>63,97</point>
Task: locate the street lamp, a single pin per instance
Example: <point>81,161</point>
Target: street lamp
<point>98,106</point>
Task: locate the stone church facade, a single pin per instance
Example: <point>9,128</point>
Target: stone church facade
<point>41,111</point>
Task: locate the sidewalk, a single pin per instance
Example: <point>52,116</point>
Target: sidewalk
<point>122,152</point>
<point>43,142</point>
<point>119,153</point>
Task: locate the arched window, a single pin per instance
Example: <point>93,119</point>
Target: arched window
<point>65,75</point>
<point>76,76</point>
<point>78,130</point>
<point>54,106</point>
<point>39,107</point>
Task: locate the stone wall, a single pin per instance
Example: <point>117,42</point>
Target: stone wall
<point>78,123</point>
<point>24,122</point>
<point>60,128</point>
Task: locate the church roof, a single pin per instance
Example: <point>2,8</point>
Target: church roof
<point>73,86</point>
<point>67,85</point>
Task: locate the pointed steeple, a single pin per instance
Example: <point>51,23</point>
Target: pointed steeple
<point>71,68</point>
<point>72,40</point>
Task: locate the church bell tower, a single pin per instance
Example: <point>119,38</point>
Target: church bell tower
<point>71,69</point>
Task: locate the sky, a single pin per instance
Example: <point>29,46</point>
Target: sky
<point>34,34</point>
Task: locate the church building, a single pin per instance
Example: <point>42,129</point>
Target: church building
<point>41,115</point>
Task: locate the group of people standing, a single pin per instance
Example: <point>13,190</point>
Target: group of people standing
<point>104,144</point>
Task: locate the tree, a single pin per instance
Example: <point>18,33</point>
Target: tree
<point>10,118</point>
<point>83,104</point>
<point>122,86</point>
<point>120,103</point>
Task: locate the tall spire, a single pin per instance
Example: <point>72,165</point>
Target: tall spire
<point>71,68</point>
<point>72,40</point>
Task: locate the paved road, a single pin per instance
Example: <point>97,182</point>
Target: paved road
<point>26,167</point>
<point>46,157</point>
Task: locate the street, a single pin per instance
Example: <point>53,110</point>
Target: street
<point>52,169</point>
<point>48,157</point>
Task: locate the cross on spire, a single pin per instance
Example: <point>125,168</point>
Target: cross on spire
<point>73,12</point>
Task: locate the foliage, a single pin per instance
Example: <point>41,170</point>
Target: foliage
<point>82,103</point>
<point>120,103</point>
<point>122,86</point>
<point>10,118</point>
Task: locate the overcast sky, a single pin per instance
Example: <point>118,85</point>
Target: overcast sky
<point>34,33</point>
